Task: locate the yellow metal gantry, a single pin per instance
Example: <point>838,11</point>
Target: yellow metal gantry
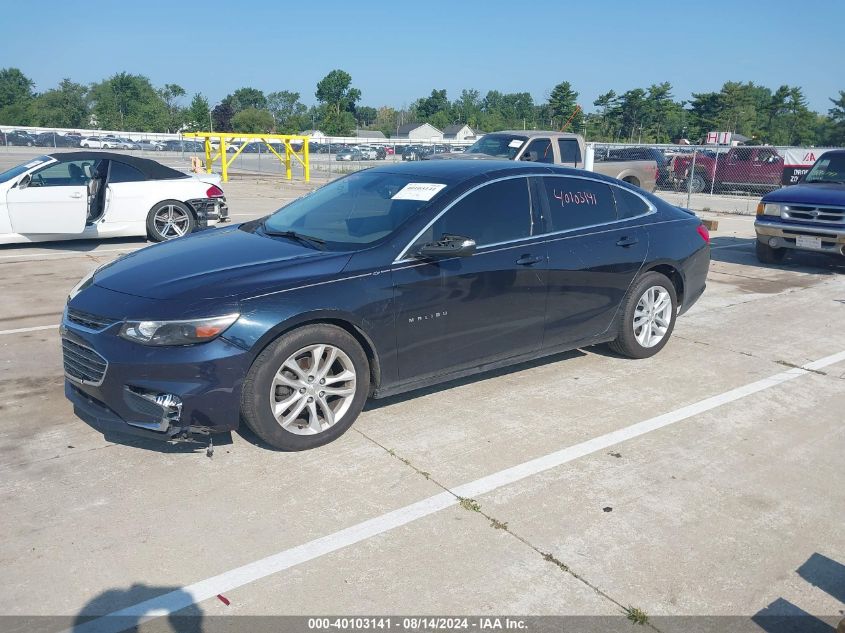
<point>290,153</point>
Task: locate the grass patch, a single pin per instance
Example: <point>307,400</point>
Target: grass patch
<point>470,504</point>
<point>637,616</point>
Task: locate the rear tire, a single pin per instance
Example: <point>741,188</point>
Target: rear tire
<point>698,184</point>
<point>168,220</point>
<point>285,400</point>
<point>648,317</point>
<point>768,255</point>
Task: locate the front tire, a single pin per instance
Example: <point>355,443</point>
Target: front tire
<point>648,317</point>
<point>768,255</point>
<point>698,183</point>
<point>168,220</point>
<point>306,388</point>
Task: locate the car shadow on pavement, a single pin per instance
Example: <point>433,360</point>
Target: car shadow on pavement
<point>782,616</point>
<point>186,618</point>
<point>81,246</point>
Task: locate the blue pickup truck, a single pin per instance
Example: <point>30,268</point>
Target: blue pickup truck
<point>809,216</point>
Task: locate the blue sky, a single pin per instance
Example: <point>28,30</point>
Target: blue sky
<point>398,51</point>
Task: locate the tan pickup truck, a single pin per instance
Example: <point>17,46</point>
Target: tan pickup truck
<point>558,148</point>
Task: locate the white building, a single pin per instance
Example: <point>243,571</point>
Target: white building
<point>419,132</point>
<point>459,132</point>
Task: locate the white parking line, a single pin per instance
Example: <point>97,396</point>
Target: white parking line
<point>715,248</point>
<point>173,601</point>
<point>23,330</point>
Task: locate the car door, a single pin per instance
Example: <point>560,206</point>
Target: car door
<point>596,246</point>
<point>767,167</point>
<point>53,199</point>
<point>462,312</point>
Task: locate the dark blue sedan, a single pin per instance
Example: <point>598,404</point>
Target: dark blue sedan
<point>387,280</point>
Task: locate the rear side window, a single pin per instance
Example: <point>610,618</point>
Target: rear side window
<point>578,202</point>
<point>498,212</point>
<point>121,172</point>
<point>570,151</point>
<point>628,205</point>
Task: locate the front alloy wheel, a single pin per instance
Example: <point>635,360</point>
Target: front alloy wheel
<point>306,388</point>
<point>313,389</point>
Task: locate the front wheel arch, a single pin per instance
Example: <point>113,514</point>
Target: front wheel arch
<point>353,329</point>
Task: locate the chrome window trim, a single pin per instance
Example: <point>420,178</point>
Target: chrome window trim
<point>404,258</point>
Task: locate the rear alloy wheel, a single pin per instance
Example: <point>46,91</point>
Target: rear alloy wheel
<point>648,317</point>
<point>768,255</point>
<point>168,220</point>
<point>307,388</point>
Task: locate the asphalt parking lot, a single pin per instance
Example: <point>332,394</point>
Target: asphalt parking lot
<point>704,481</point>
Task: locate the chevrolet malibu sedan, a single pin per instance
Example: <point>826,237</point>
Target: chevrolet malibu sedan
<point>93,195</point>
<point>384,281</point>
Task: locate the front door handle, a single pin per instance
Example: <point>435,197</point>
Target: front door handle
<point>527,260</point>
<point>627,241</point>
<point>76,194</point>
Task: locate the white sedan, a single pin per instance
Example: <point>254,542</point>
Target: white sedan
<point>91,195</point>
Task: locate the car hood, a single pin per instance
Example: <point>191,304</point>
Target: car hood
<point>218,263</point>
<point>829,194</point>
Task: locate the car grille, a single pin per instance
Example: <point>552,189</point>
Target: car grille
<point>83,364</point>
<point>88,320</point>
<point>828,215</point>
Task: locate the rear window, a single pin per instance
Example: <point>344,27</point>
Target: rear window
<point>570,151</point>
<point>629,205</point>
<point>121,172</point>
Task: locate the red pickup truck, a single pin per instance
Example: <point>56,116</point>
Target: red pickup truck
<point>740,168</point>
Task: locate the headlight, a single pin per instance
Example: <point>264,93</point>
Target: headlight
<point>176,332</point>
<point>768,209</point>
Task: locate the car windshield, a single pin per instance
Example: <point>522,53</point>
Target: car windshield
<point>355,211</point>
<point>498,145</point>
<point>828,169</point>
<point>17,171</point>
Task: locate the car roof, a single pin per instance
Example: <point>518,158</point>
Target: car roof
<point>536,133</point>
<point>150,168</point>
<point>455,171</point>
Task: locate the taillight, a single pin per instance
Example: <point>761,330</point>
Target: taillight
<point>703,232</point>
<point>214,192</point>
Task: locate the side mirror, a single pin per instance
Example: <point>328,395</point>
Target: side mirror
<point>25,181</point>
<point>448,246</point>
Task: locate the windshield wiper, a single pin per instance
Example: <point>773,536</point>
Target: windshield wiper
<point>316,242</point>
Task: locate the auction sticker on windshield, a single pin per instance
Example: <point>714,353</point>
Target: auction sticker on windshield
<point>424,191</point>
<point>515,143</point>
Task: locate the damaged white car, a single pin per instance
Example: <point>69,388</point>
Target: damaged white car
<point>94,195</point>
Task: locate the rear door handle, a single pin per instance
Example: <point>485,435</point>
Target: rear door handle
<point>76,194</point>
<point>626,241</point>
<point>527,260</point>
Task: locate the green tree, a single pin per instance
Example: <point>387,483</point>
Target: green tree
<point>16,97</point>
<point>365,115</point>
<point>467,107</point>
<point>244,98</point>
<point>835,134</point>
<point>65,106</point>
<point>563,103</point>
<point>129,102</point>
<point>427,107</point>
<point>253,121</point>
<point>198,114</point>
<point>287,110</point>
<point>170,94</point>
<point>334,91</point>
